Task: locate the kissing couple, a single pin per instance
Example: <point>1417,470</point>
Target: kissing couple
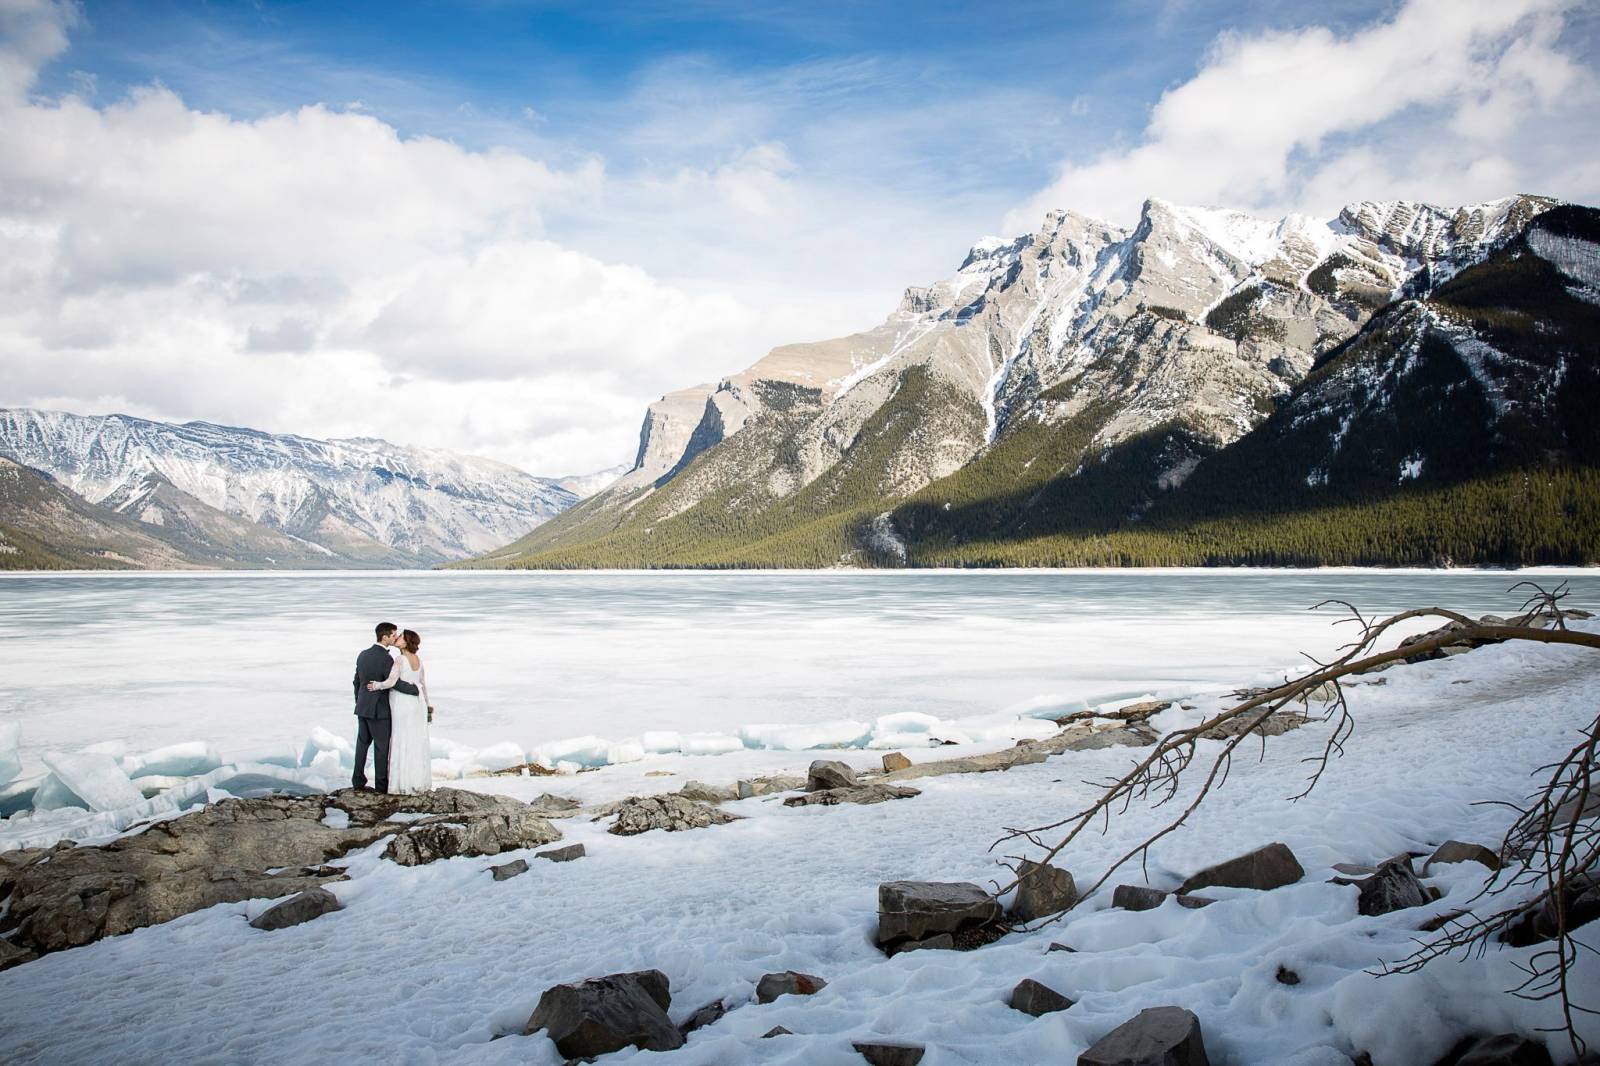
<point>393,709</point>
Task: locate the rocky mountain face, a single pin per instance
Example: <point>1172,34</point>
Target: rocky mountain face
<point>43,525</point>
<point>243,497</point>
<point>1040,361</point>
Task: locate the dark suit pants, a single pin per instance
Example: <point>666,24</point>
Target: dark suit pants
<point>373,733</point>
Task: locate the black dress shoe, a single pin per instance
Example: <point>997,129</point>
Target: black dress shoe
<point>364,788</point>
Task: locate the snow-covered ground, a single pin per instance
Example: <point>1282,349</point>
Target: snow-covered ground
<point>431,964</point>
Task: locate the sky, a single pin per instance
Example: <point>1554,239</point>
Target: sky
<point>504,227</point>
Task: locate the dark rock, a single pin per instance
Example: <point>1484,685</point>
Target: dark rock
<point>298,909</point>
<point>566,854</point>
<point>874,793</point>
<point>829,773</point>
<point>788,983</point>
<point>1287,976</point>
<point>744,789</point>
<point>1393,887</point>
<point>940,942</point>
<point>895,761</point>
<point>891,1054</point>
<point>672,813</point>
<point>11,955</point>
<point>605,1014</point>
<point>1143,898</point>
<point>709,1014</point>
<point>917,910</point>
<point>1539,923</point>
<point>1158,1036</point>
<point>776,1030</point>
<point>1042,890</point>
<point>1265,868</point>
<point>1031,997</point>
<point>510,869</point>
<point>1059,947</point>
<point>1459,851</point>
<point>1439,921</point>
<point>1507,1049</point>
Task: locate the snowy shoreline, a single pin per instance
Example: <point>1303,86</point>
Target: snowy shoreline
<point>465,958</point>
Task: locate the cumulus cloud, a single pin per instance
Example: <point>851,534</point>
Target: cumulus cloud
<point>1448,100</point>
<point>314,271</point>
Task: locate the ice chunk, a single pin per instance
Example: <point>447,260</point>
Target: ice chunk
<point>710,743</point>
<point>320,742</point>
<point>336,818</point>
<point>53,795</point>
<point>328,764</point>
<point>96,779</point>
<point>661,742</point>
<point>252,783</point>
<point>278,755</point>
<point>18,795</point>
<point>500,756</point>
<point>581,752</point>
<point>176,760</point>
<point>10,761</point>
<point>776,737</point>
<point>893,741</point>
<point>905,722</point>
<point>114,748</point>
<point>629,750</point>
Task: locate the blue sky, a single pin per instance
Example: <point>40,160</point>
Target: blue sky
<point>524,221</point>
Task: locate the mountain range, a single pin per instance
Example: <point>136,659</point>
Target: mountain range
<point>1402,383</point>
<point>119,491</point>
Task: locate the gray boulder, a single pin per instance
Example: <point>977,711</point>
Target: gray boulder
<point>552,806</point>
<point>709,1014</point>
<point>704,793</point>
<point>1144,898</point>
<point>874,793</point>
<point>566,854</point>
<point>776,1030</point>
<point>1158,1036</point>
<point>829,773</point>
<point>917,910</point>
<point>298,909</point>
<point>1031,997</point>
<point>788,983</point>
<point>1393,887</point>
<point>1042,890</point>
<point>941,942</point>
<point>606,1014</point>
<point>673,813</point>
<point>1460,851</point>
<point>1265,868</point>
<point>895,761</point>
<point>890,1054</point>
<point>509,870</point>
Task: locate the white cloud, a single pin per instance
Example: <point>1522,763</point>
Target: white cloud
<point>1448,100</point>
<point>313,271</point>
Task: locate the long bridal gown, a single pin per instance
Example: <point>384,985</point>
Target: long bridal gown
<point>410,752</point>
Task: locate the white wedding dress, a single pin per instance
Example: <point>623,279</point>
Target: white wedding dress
<point>410,751</point>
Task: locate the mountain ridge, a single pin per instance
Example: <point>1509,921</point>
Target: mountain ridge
<point>1082,360</point>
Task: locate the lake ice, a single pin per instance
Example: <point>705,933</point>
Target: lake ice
<point>253,664</point>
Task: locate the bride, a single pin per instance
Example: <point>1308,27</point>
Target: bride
<point>410,754</point>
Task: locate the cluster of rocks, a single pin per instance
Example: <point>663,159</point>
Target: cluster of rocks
<point>240,849</point>
<point>830,782</point>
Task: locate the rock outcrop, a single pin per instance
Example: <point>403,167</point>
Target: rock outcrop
<point>829,773</point>
<point>1042,890</point>
<point>236,850</point>
<point>1265,868</point>
<point>672,812</point>
<point>869,793</point>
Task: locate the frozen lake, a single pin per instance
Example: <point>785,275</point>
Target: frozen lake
<point>251,659</point>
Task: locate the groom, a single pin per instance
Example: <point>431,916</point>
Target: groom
<point>372,708</point>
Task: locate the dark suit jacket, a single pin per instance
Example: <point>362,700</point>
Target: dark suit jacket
<point>374,664</point>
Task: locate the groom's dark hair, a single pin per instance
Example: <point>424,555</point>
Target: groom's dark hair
<point>385,628</point>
